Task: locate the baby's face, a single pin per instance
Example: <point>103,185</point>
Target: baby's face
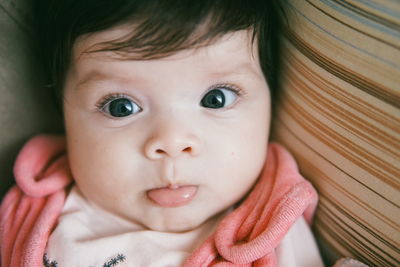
<point>170,142</point>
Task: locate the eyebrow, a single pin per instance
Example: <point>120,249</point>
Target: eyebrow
<point>240,69</point>
<point>96,75</point>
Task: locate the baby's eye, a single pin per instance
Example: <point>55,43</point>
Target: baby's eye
<point>219,97</point>
<point>120,107</point>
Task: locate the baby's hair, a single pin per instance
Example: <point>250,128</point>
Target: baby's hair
<point>159,28</point>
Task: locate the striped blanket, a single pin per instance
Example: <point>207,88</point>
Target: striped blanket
<point>339,114</point>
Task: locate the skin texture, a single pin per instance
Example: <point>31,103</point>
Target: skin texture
<point>172,140</point>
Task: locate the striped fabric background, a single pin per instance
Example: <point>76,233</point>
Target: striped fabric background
<point>340,116</point>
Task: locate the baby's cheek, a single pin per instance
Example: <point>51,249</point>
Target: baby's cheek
<point>236,173</point>
<point>247,157</point>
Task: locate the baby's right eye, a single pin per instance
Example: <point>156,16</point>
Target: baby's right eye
<point>119,107</point>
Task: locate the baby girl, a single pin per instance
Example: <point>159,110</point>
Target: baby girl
<point>167,109</point>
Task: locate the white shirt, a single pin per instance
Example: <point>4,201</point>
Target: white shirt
<point>88,236</point>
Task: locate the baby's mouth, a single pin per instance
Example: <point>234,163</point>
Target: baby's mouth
<point>172,196</point>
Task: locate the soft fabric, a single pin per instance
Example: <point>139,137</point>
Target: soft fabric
<point>86,235</point>
<point>339,115</point>
<point>247,235</point>
<point>28,217</point>
<point>298,247</point>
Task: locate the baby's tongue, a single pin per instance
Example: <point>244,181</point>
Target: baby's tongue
<point>169,197</point>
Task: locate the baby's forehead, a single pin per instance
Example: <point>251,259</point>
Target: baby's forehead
<point>234,52</point>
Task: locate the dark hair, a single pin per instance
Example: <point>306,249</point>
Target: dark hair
<point>162,27</point>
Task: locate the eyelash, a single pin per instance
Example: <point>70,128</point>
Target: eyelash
<point>108,98</point>
<point>227,86</point>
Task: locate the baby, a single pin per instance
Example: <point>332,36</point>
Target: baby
<point>167,108</point>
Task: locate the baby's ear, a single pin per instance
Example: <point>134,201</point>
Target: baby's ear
<point>25,104</point>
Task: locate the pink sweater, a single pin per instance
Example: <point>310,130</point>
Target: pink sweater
<point>248,236</point>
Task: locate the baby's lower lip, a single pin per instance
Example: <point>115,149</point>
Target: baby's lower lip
<point>172,196</point>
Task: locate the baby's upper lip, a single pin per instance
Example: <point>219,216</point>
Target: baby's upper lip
<point>173,186</point>
<point>168,170</point>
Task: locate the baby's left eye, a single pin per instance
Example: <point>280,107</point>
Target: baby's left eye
<point>219,97</point>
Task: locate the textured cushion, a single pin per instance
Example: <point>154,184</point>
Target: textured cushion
<point>340,116</point>
<point>25,107</point>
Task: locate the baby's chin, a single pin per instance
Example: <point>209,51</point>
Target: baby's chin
<point>180,222</point>
<point>175,225</point>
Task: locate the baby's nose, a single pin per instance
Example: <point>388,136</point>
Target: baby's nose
<point>156,148</point>
<point>173,144</point>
